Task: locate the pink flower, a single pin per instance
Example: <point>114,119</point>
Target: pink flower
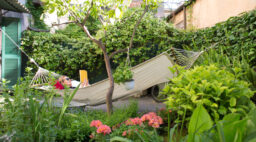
<point>124,133</point>
<point>137,121</point>
<point>153,120</point>
<point>95,123</point>
<point>133,121</point>
<point>103,129</point>
<point>129,122</point>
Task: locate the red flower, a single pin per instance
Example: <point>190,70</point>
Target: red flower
<point>95,123</point>
<point>103,129</point>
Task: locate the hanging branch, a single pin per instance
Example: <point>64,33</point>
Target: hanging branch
<point>133,34</point>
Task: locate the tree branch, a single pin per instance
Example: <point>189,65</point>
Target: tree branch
<point>90,36</point>
<point>133,34</point>
<point>72,12</point>
<point>88,14</point>
<point>63,23</point>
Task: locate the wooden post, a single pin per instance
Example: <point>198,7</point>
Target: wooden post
<point>185,17</point>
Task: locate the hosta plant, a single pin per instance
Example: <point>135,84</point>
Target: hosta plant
<point>218,90</point>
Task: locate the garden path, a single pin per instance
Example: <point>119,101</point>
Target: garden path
<point>145,104</point>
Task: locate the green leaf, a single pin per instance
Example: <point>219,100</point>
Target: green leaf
<point>119,139</point>
<point>232,102</point>
<point>200,121</point>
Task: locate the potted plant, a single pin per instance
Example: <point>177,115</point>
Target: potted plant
<point>123,74</point>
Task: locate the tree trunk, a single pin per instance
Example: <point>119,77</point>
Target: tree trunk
<point>108,67</point>
<point>111,81</point>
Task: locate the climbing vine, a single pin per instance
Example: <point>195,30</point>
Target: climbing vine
<point>36,11</point>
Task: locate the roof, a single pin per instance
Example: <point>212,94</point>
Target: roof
<point>179,9</point>
<point>13,5</point>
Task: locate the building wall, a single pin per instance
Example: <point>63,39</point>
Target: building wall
<point>206,13</point>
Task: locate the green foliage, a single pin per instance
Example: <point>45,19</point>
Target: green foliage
<point>200,121</point>
<point>74,31</point>
<point>121,114</point>
<point>119,139</point>
<point>25,118</point>
<point>67,99</point>
<point>149,41</point>
<point>236,35</point>
<point>231,63</point>
<point>122,74</point>
<point>218,90</point>
<point>231,128</point>
<point>64,55</point>
<point>36,12</point>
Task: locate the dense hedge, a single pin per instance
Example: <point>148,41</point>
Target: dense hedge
<point>70,50</point>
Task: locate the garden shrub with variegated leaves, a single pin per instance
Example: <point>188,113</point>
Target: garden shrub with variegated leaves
<point>218,90</point>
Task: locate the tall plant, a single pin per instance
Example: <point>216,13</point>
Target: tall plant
<point>107,11</point>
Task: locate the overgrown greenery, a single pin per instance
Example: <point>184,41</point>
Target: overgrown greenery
<point>220,91</point>
<point>64,55</point>
<point>36,11</point>
<point>237,35</point>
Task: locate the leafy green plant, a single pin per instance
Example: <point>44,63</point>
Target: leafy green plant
<point>220,91</point>
<point>25,118</point>
<point>232,127</point>
<point>67,99</point>
<point>200,121</point>
<point>122,74</point>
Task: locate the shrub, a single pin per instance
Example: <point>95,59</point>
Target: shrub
<point>217,89</point>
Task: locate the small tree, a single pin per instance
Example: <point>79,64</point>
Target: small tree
<point>108,11</point>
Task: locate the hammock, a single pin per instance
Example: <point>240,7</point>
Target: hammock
<point>147,74</point>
